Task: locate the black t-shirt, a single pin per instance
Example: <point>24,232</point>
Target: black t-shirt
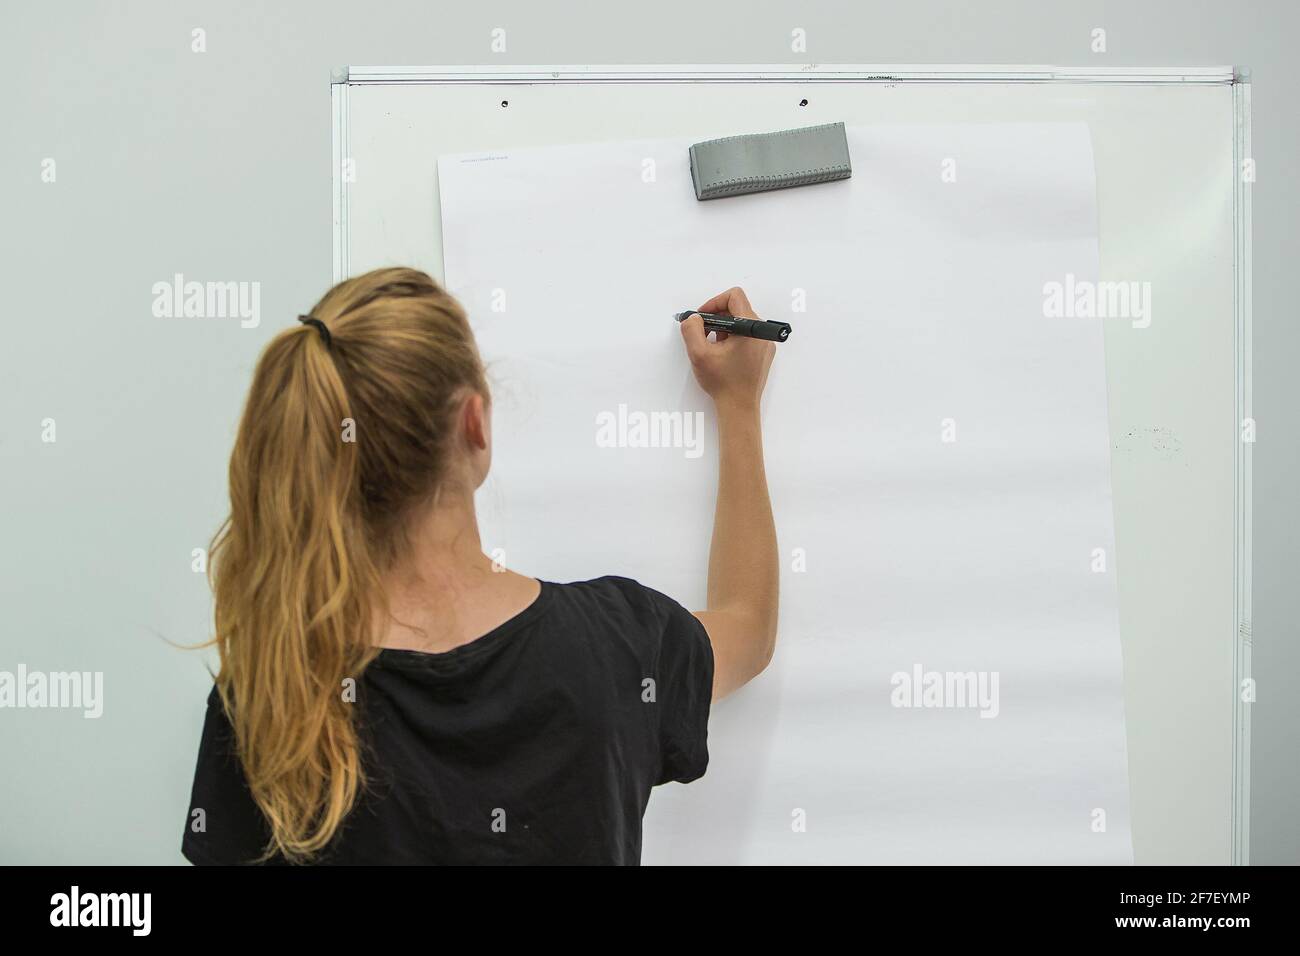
<point>536,743</point>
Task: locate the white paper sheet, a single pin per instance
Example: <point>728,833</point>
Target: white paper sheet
<point>916,302</point>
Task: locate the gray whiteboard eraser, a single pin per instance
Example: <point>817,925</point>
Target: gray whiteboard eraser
<point>735,165</point>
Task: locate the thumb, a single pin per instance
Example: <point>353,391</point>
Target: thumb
<point>694,336</point>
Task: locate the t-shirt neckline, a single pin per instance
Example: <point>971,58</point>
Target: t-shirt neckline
<point>406,656</point>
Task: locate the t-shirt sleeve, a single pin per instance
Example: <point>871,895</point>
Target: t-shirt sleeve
<point>684,689</point>
<point>224,825</point>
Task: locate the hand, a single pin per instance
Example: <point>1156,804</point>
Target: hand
<point>733,370</point>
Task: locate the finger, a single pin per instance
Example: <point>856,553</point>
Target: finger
<point>733,302</point>
<point>740,301</point>
<point>719,303</point>
<point>694,336</point>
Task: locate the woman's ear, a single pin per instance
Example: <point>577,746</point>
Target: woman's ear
<point>475,421</point>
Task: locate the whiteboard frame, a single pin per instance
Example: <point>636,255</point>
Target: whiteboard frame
<point>343,79</point>
<point>1243,552</point>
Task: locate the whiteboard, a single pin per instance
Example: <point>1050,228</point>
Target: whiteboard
<point>1172,211</point>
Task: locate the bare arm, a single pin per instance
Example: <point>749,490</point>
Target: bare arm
<point>743,569</point>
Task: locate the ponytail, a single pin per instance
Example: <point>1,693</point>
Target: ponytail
<point>346,429</point>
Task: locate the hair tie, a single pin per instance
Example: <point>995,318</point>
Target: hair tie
<point>320,327</point>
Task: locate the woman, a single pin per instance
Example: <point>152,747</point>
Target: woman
<point>389,695</point>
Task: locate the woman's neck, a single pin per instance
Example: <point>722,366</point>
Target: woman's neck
<point>444,591</point>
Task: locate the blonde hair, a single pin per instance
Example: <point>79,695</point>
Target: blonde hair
<point>316,518</point>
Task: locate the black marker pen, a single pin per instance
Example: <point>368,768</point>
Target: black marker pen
<point>734,325</point>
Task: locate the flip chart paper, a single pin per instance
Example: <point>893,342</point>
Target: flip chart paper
<point>948,682</point>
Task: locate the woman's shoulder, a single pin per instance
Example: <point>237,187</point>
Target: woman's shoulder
<point>625,603</point>
<point>614,592</point>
